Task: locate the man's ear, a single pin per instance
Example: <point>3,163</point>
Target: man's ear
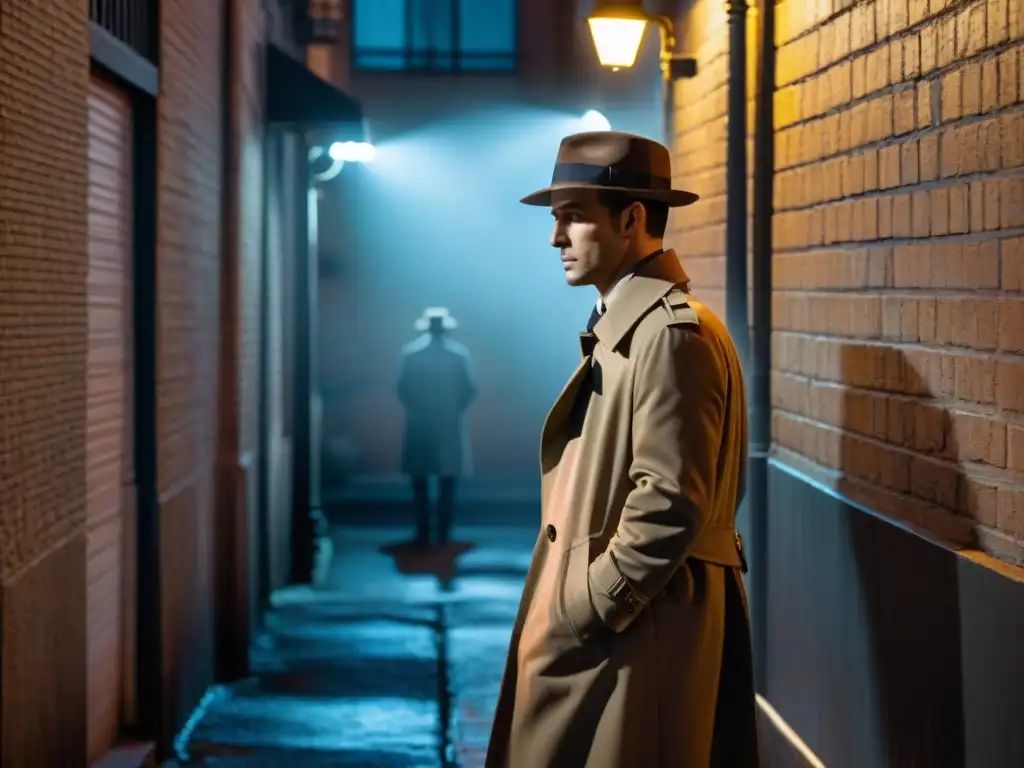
<point>633,215</point>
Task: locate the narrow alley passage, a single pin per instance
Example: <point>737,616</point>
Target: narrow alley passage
<point>395,663</point>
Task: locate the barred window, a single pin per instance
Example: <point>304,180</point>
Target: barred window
<point>434,35</point>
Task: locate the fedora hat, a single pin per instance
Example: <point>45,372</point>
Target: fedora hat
<point>617,162</point>
<point>434,316</point>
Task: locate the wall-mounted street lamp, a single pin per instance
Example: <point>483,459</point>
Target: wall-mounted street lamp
<point>339,153</point>
<point>618,26</point>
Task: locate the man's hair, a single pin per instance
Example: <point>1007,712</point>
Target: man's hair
<point>657,211</point>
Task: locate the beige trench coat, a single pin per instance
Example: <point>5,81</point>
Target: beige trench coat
<point>632,648</point>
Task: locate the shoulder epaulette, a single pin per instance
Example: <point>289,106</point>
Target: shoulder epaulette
<point>679,310</point>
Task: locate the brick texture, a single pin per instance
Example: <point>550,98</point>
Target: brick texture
<point>898,258</point>
<point>699,150</point>
<point>44,70</point>
<point>189,181</point>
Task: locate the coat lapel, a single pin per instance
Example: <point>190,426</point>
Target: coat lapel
<point>652,281</point>
<point>550,444</point>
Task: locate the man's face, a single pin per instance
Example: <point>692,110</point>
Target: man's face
<point>592,244</point>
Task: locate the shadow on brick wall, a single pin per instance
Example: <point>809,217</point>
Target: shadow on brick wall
<point>909,695</point>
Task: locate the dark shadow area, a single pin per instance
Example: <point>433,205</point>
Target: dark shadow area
<point>889,643</point>
<point>350,678</point>
<point>912,693</point>
<point>417,618</point>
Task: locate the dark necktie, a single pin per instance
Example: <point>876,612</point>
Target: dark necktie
<point>594,317</point>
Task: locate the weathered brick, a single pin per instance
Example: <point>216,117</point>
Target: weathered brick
<point>989,145</point>
<point>929,48</point>
<point>968,149</point>
<point>959,211</point>
<point>998,21</point>
<point>947,40</point>
<point>1008,77</point>
<point>939,204</point>
<point>971,90</point>
<point>1011,325</point>
<point>1015,447</point>
<point>1012,264</point>
<point>949,99</point>
<point>1012,138</point>
<point>905,356</point>
<point>909,168</point>
<point>1010,384</point>
<point>44,372</point>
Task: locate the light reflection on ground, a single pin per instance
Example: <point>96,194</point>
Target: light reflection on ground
<point>349,675</point>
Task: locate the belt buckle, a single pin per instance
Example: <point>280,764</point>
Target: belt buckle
<point>739,549</point>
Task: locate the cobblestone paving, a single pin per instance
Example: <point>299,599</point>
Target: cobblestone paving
<point>355,674</point>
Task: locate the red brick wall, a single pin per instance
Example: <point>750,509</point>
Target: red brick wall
<point>43,184</point>
<point>44,70</point>
<point>190,170</point>
<point>698,143</point>
<point>899,266</point>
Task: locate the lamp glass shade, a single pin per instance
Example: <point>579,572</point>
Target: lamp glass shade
<point>617,40</point>
<point>352,152</point>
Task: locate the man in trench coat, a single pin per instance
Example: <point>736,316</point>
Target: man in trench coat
<point>631,648</point>
<point>436,386</point>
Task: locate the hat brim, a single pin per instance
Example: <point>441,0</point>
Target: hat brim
<point>674,198</point>
<point>448,323</point>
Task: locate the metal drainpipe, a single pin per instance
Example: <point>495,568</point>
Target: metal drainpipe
<point>736,184</point>
<point>760,362</point>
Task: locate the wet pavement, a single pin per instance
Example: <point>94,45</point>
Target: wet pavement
<point>395,663</point>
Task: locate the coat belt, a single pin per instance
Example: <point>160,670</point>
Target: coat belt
<point>720,545</point>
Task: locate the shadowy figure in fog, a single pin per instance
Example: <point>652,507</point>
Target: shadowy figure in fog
<point>436,385</point>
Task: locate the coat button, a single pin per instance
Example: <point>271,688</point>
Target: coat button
<point>551,532</point>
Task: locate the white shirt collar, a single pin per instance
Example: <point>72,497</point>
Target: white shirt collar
<point>603,301</point>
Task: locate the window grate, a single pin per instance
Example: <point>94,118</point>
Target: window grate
<point>133,22</point>
<point>435,36</point>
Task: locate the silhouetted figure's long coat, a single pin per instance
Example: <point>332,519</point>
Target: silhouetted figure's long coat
<point>436,386</point>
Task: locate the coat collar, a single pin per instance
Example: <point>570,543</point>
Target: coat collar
<point>646,288</point>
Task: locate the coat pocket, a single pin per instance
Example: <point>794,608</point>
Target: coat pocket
<point>574,594</point>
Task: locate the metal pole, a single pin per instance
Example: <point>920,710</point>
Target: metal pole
<point>760,372</point>
<point>302,555</point>
<point>668,43</point>
<point>736,184</point>
<point>307,518</point>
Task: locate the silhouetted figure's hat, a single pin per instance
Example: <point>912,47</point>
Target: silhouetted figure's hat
<point>617,162</point>
<point>436,319</point>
